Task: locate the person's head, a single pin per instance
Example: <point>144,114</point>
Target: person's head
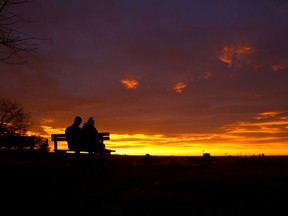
<point>77,120</point>
<point>91,121</point>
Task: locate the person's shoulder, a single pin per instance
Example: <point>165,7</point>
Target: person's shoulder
<point>69,127</point>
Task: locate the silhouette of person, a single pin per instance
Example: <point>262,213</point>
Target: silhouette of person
<point>91,138</point>
<point>74,135</point>
<point>147,160</point>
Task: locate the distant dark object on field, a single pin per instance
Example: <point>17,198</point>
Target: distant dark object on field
<point>206,155</point>
<point>147,160</point>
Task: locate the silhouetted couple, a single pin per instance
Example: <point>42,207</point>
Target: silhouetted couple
<point>85,138</point>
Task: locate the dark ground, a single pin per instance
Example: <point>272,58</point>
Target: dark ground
<point>169,186</point>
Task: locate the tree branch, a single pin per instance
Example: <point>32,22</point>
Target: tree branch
<point>12,40</point>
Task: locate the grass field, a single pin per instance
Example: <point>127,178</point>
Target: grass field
<point>125,186</point>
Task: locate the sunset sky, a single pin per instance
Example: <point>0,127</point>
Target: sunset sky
<point>164,77</point>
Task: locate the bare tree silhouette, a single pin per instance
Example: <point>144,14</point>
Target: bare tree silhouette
<point>13,41</point>
<point>13,119</point>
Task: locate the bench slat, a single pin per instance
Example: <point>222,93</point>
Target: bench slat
<point>64,138</point>
<point>104,135</point>
<point>58,139</point>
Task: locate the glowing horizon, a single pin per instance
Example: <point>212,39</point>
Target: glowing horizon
<point>140,144</point>
<point>262,135</point>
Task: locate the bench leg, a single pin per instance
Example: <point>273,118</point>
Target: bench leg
<point>102,157</point>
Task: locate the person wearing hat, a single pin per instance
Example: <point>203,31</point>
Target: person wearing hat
<point>91,137</point>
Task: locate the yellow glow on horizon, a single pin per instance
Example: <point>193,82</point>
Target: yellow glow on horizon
<point>264,135</point>
<point>193,144</point>
<point>141,144</point>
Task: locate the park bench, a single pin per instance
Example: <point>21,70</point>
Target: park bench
<point>62,137</point>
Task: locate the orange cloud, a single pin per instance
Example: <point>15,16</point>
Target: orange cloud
<point>265,115</point>
<point>267,123</point>
<point>234,54</point>
<point>130,83</point>
<point>279,67</point>
<point>206,76</point>
<point>179,87</point>
<point>47,120</point>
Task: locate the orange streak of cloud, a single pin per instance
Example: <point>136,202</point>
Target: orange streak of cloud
<point>179,87</point>
<point>130,83</point>
<point>233,53</point>
<point>278,67</point>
